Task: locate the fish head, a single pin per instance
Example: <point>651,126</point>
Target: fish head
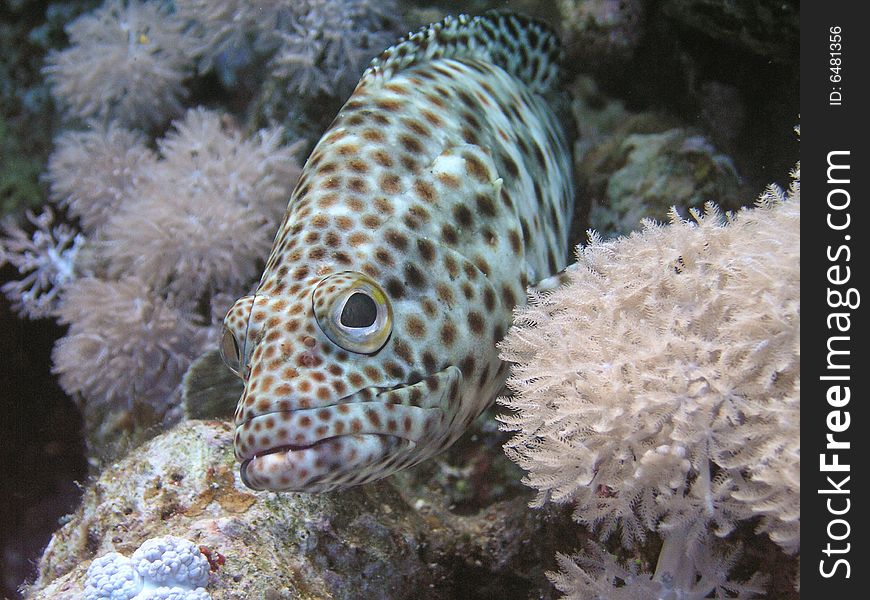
<point>349,377</point>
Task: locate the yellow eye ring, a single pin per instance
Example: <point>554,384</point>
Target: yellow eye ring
<point>353,312</point>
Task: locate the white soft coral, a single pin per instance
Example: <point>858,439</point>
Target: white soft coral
<point>659,390</point>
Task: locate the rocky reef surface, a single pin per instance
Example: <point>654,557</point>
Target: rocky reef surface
<point>383,540</point>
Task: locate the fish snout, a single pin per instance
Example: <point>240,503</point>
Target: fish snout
<point>366,435</point>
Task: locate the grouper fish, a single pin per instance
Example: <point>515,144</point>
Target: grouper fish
<point>439,193</point>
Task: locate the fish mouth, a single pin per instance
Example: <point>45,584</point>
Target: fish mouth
<point>328,464</point>
<point>290,448</point>
<point>348,442</point>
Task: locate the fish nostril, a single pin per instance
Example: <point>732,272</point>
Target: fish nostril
<point>309,359</point>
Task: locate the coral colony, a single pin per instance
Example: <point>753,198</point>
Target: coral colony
<point>126,63</point>
<point>680,412</point>
<point>160,231</point>
<point>164,568</point>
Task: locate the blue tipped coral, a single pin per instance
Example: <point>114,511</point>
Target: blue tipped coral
<point>45,261</point>
<point>164,568</point>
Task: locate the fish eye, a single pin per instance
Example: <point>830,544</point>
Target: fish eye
<point>353,311</point>
<point>360,310</point>
<point>230,352</point>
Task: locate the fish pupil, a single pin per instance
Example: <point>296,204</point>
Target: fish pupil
<point>359,311</point>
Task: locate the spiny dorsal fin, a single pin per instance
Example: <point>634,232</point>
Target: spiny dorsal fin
<point>524,47</point>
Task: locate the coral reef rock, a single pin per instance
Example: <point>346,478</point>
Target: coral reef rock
<point>767,28</point>
<point>634,166</point>
<point>600,33</point>
<point>374,541</point>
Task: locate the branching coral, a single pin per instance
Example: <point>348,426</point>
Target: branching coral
<point>222,29</point>
<point>659,390</point>
<point>326,45</point>
<point>45,259</point>
<point>314,45</point>
<point>127,63</point>
<point>129,60</point>
<point>596,575</point>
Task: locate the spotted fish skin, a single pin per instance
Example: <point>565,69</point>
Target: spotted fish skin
<point>441,190</point>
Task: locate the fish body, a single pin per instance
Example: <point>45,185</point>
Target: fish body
<point>440,192</point>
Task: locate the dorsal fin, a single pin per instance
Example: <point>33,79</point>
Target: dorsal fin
<point>526,48</point>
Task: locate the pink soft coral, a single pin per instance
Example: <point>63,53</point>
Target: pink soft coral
<point>204,215</point>
<point>127,62</point>
<point>125,343</point>
<point>660,389</point>
<point>92,172</point>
